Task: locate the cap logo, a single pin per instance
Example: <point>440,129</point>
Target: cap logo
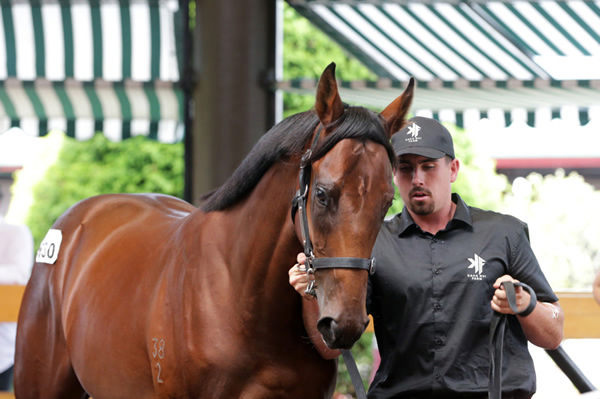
<point>413,133</point>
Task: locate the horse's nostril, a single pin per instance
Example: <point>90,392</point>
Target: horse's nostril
<point>337,336</point>
<point>326,325</point>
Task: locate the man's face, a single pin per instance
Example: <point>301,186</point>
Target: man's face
<point>425,183</point>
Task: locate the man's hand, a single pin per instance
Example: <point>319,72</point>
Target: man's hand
<point>299,278</point>
<point>543,326</point>
<point>500,302</point>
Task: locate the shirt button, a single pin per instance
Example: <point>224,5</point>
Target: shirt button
<point>436,271</point>
<point>437,307</point>
<point>439,342</point>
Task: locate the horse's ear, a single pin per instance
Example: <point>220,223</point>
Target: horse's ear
<point>329,105</point>
<point>395,113</point>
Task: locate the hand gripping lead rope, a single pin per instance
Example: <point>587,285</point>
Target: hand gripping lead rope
<point>496,340</point>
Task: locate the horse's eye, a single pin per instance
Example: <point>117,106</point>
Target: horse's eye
<point>321,196</point>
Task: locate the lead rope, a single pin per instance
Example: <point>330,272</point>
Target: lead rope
<point>359,388</point>
<point>496,339</point>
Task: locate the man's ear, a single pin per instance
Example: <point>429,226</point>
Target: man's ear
<point>454,167</point>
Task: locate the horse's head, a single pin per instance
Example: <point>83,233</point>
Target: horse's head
<point>347,188</point>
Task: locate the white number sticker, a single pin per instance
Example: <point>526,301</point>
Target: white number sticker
<point>48,251</point>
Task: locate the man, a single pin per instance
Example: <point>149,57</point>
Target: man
<point>440,264</point>
<point>16,261</point>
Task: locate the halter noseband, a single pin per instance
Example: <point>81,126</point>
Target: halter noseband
<point>299,205</point>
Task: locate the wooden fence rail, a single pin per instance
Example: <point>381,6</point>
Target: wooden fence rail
<point>10,301</point>
<point>582,313</point>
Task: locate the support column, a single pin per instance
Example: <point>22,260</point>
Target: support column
<point>233,97</point>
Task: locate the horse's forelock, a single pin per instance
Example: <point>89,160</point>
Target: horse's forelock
<point>358,123</point>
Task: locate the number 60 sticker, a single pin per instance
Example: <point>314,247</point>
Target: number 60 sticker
<point>48,251</point>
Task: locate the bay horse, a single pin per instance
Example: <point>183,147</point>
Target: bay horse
<point>145,296</point>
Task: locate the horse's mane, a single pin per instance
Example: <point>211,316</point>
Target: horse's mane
<point>288,138</point>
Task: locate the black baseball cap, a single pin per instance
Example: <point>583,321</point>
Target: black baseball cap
<point>423,136</point>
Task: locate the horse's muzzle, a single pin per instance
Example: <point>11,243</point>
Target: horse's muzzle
<point>340,335</point>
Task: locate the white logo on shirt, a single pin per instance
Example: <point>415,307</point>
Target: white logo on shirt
<point>476,263</point>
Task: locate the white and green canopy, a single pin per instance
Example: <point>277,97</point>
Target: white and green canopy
<point>84,66</point>
<point>501,56</point>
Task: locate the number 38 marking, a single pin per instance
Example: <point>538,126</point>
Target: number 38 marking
<point>158,353</point>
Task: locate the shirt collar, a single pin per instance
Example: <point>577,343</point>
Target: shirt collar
<point>404,223</point>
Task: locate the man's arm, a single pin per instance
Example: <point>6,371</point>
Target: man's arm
<point>310,309</point>
<point>542,327</point>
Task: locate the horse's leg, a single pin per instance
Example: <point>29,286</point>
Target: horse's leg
<point>42,365</point>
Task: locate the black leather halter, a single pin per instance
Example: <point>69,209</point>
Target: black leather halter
<point>299,205</point>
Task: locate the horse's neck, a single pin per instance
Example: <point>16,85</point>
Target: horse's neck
<point>254,240</point>
<point>263,224</point>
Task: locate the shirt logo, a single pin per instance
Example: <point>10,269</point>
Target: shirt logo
<point>476,263</point>
<point>413,133</point>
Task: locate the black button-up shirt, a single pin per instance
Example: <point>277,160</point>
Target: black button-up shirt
<point>430,301</point>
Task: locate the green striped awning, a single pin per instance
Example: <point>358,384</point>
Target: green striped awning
<point>533,101</point>
<point>84,66</point>
<point>483,56</point>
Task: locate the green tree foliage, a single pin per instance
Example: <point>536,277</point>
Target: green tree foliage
<point>306,53</point>
<point>98,166</point>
